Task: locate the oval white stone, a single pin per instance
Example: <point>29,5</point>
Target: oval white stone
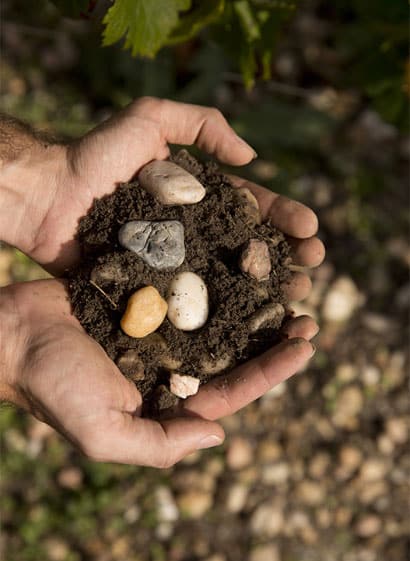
<point>170,184</point>
<point>187,301</point>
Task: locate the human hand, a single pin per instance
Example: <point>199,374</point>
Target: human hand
<point>64,378</point>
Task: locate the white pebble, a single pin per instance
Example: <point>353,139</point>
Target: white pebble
<point>187,301</point>
<point>170,184</point>
<point>183,386</point>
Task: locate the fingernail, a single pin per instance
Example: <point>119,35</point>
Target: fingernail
<point>313,349</point>
<point>209,441</point>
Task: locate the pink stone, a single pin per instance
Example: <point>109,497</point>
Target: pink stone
<point>183,386</point>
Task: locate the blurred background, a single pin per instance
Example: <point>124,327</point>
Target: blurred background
<point>318,469</point>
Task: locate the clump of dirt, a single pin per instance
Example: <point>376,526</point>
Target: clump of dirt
<point>216,231</point>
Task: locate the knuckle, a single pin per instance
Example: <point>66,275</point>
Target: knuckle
<point>147,104</point>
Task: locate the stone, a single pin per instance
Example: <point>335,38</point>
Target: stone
<point>310,492</point>
<point>373,469</point>
<point>270,315</point>
<point>159,244</point>
<point>349,404</point>
<point>145,312</point>
<point>194,503</point>
<point>236,497</point>
<point>187,301</point>
<point>368,526</point>
<point>255,260</point>
<point>212,365</point>
<point>341,301</point>
<point>397,430</point>
<point>183,386</point>
<point>131,365</point>
<point>170,184</point>
<point>267,552</point>
<point>275,474</point>
<point>267,520</point>
<point>167,510</point>
<point>108,273</point>
<point>70,478</point>
<point>239,453</point>
<point>252,206</point>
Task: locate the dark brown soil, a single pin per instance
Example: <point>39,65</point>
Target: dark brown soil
<point>216,230</point>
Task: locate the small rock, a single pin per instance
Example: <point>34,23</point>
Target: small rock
<point>350,459</point>
<point>108,272</point>
<point>169,362</point>
<point>341,301</point>
<point>253,211</point>
<point>194,503</point>
<point>166,508</point>
<point>70,478</point>
<point>170,184</point>
<point>236,497</point>
<point>368,526</point>
<point>183,386</point>
<point>270,315</point>
<point>267,552</point>
<point>397,430</point>
<point>349,404</point>
<point>187,301</point>
<point>239,453</point>
<point>310,492</point>
<point>319,465</point>
<point>275,474</point>
<point>267,520</point>
<point>159,244</point>
<point>255,260</point>
<point>131,365</point>
<point>212,365</point>
<point>373,469</point>
<point>145,312</point>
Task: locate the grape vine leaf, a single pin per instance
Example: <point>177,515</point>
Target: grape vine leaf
<point>145,24</point>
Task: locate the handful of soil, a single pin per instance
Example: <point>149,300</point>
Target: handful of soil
<point>179,293</point>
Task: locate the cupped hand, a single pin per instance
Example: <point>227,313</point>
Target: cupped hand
<point>66,380</point>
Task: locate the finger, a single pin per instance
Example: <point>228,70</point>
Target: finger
<point>291,217</point>
<point>298,287</point>
<point>132,440</point>
<point>183,123</point>
<point>302,326</point>
<point>226,394</point>
<point>307,253</point>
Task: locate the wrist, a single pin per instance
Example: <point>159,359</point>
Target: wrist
<point>12,334</point>
<point>29,177</point>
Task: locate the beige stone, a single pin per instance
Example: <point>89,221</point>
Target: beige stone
<point>252,204</point>
<point>145,312</point>
<point>183,386</point>
<point>170,184</point>
<point>270,314</point>
<point>255,260</point>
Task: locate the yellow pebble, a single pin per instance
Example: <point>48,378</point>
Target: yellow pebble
<point>145,312</point>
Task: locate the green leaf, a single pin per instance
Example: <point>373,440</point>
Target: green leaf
<point>145,24</point>
<point>191,24</point>
<point>247,19</point>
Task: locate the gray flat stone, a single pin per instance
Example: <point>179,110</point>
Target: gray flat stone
<point>160,244</point>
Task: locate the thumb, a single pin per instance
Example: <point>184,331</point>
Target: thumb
<point>132,440</point>
<point>184,123</point>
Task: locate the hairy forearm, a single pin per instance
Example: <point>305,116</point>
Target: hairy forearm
<point>28,166</point>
